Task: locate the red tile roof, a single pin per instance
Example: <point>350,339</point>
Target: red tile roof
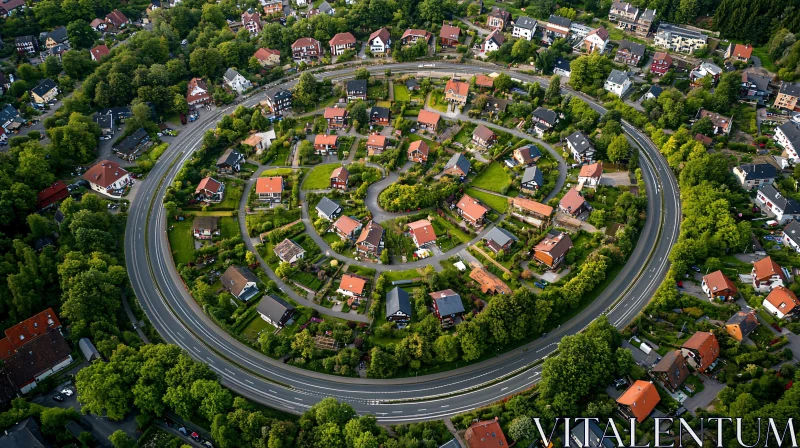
<point>428,117</point>
<point>383,33</point>
<point>485,434</point>
<point>531,206</point>
<point>593,170</point>
<point>420,146</point>
<point>484,81</point>
<point>269,185</point>
<point>117,18</point>
<point>305,42</point>
<point>105,173</point>
<point>742,51</point>
<point>346,224</point>
<point>572,200</point>
<point>457,87</point>
<point>641,398</point>
<point>28,330</point>
<point>353,284</point>
<point>262,54</point>
<point>783,297</point>
<point>341,174</point>
<point>99,52</point>
<point>377,140</point>
<point>423,231</point>
<point>717,281</point>
<point>706,345</point>
<point>342,39</point>
<point>415,32</point>
<point>51,194</point>
<point>450,32</point>
<point>326,140</point>
<point>208,183</point>
<point>766,268</point>
<point>334,112</point>
<point>471,207</point>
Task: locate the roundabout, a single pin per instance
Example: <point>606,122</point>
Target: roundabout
<point>181,321</point>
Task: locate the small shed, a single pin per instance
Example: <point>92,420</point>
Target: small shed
<point>88,349</point>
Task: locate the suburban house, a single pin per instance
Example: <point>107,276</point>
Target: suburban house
<point>552,249</point>
<point>449,35</point>
<point>209,190</point>
<point>791,235</point>
<point>236,81</point>
<point>240,281</point>
<point>573,203</point>
<point>267,57</point>
<point>99,25</point>
<point>108,178</point>
<point>380,116</point>
<point>422,233</point>
<point>51,195</point>
<point>493,41</point>
<point>129,147</point>
<point>230,162</point>
<point>558,26</point>
<point>483,136</point>
<point>662,62</point>
<point>782,208</point>
<point>328,209</point>
<point>781,303</point>
<point>205,227</point>
<point>356,89</point>
<point>325,143</point>
<point>326,8</point>
<point>704,139</point>
<point>682,40</point>
<point>104,122</point>
<point>705,70</point>
<point>456,92</point>
<point>543,120</point>
<point>755,88</point>
<point>652,93</point>
<point>590,175</point>
<point>741,324</point>
<point>532,212</point>
<point>718,286</point>
<point>562,67</point>
<point>288,251</point>
<point>767,275</point>
<point>197,92</point>
<point>251,20</point>
<point>117,19</point>
<point>498,19</point>
<point>342,42</point>
<point>9,6</point>
<point>754,175</point>
<point>379,42</point>
<point>269,189</point>
<point>499,239</point>
<point>26,433</point>
<point>739,52</point>
<point>272,8</point>
<point>639,400</point>
<point>458,165</point>
<point>488,282</point>
<point>671,371</point>
<point>632,19</point>
<point>370,242</point>
<point>411,36</point>
<point>428,120</point>
<point>527,155</point>
<point>629,53</point>
<point>447,307</point>
<point>471,210</point>
<point>532,179</point>
<point>418,151</point>
<point>484,82</point>
<point>596,40</point>
<point>44,92</point>
<point>788,95</point>
<point>26,44</point>
<point>259,141</point>
<point>33,350</point>
<point>787,136</point>
<point>524,28</point>
<point>582,150</point>
<point>722,124</point>
<point>495,105</point>
<point>275,310</point>
<point>701,350</point>
<point>336,117</point>
<point>339,178</point>
<point>99,52</point>
<point>346,227</point>
<point>617,83</point>
<point>398,306</point>
<point>376,144</point>
<point>306,49</point>
<point>484,434</point>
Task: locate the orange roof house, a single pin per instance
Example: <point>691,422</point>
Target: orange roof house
<point>488,282</point>
<point>701,350</point>
<point>765,268</point>
<point>484,81</point>
<point>471,210</point>
<point>573,203</point>
<point>346,226</point>
<point>530,206</point>
<point>28,330</point>
<point>428,120</point>
<point>485,434</point>
<point>422,232</point>
<point>376,144</point>
<point>717,285</point>
<point>781,302</point>
<point>418,151</point>
<point>593,171</point>
<point>322,141</point>
<point>269,185</point>
<point>352,285</point>
<point>639,400</point>
<point>456,92</point>
<point>99,52</point>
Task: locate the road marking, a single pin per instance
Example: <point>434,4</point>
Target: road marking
<point>210,361</point>
<point>397,412</point>
<point>298,399</point>
<point>273,391</point>
<point>445,405</point>
<point>420,410</point>
<point>503,389</point>
<point>250,382</point>
<point>232,373</point>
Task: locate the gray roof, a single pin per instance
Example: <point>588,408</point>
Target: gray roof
<point>231,74</point>
<point>546,115</point>
<point>500,236</point>
<point>747,322</point>
<point>58,34</point>
<point>397,300</point>
<point>579,141</point>
<point>617,77</point>
<point>760,81</point>
<point>683,32</point>
<point>45,86</point>
<point>24,434</point>
<point>788,205</point>
<point>530,152</point>
<point>278,93</point>
<point>562,64</point>
<point>596,439</point>
<point>328,207</point>
<point>533,174</point>
<point>790,88</point>
<point>452,443</point>
<point>632,47</point>
<point>525,23</point>
<point>379,112</point>
<point>560,21</point>
<point>791,130</point>
<point>230,158</point>
<point>411,82</point>
<point>273,307</point>
<point>8,113</point>
<point>648,15</point>
<point>131,142</point>
<point>104,121</point>
<point>325,7</point>
<point>758,171</point>
<point>655,90</point>
<point>88,349</point>
<point>450,304</point>
<point>792,231</point>
<point>460,161</point>
<point>357,87</point>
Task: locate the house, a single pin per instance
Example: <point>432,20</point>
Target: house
<point>272,8</point>
<point>524,28</point>
<point>662,62</point>
<point>8,114</point>
<point>498,19</point>
<point>44,92</point>
<point>579,432</point>
<point>105,123</point>
<point>739,52</point>
<point>471,210</point>
<point>240,281</point>
<point>275,310</point>
<point>376,143</point>
<point>617,83</point>
<point>9,6</point>
<point>342,42</point>
<point>26,331</point>
<point>356,90</point>
<point>306,49</point>
<point>722,124</point>
<point>25,434</point>
<point>418,151</point>
<point>767,275</point>
<point>128,149</point>
<point>782,208</point>
<point>56,37</point>
<point>255,141</point>
<point>339,178</point>
<point>701,350</point>
<point>328,209</point>
<point>205,227</point>
<point>370,242</point>
<point>718,286</point>
<point>230,162</point>
<point>781,303</point>
<point>37,360</point>
<point>458,165</point>
<point>573,203</point>
<point>449,35</point>
<point>483,136</point>
<point>269,189</point>
<point>741,324</point>
<point>596,40</point>
<point>411,36</point>
<point>197,92</point>
<point>117,19</point>
<point>5,83</point>
<point>652,93</point>
<point>288,251</point>
<point>279,100</point>
<point>787,98</point>
<point>99,52</point>
<point>629,53</point>
<point>323,144</point>
<point>499,239</point>
<point>582,150</point>
<point>671,371</point>
<point>485,434</point>
<point>527,154</point>
<point>99,25</point>
<point>705,70</point>
<point>379,42</point>
<point>26,44</point>
<point>532,179</point>
<point>251,20</point>
<point>488,282</point>
<point>675,38</point>
<point>336,117</point>
<point>484,82</point>
<point>544,117</point>
<point>326,8</point>
<point>755,88</point>
<point>705,140</point>
<point>639,400</point>
<point>422,233</point>
<point>267,57</point>
<point>558,26</point>
<point>493,41</point>
<point>210,190</point>
<point>108,178</point>
<point>552,249</point>
<point>632,19</point>
<point>590,175</point>
<point>398,306</point>
<point>787,136</point>
<point>352,286</point>
<point>346,227</point>
<point>754,175</point>
<point>236,81</point>
<point>51,195</point>
<point>456,92</point>
<point>791,235</point>
<point>380,116</point>
<point>428,120</point>
<point>447,307</point>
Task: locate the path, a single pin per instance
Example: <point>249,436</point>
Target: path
<point>136,322</point>
<point>490,259</point>
<point>472,26</point>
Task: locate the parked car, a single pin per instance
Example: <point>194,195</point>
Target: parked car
<point>696,268</point>
<point>67,391</point>
<point>58,398</point>
<point>539,285</point>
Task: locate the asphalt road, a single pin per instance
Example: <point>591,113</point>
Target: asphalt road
<point>180,320</point>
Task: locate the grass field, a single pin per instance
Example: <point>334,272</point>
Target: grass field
<point>440,225</point>
<point>277,172</point>
<point>282,156</point>
<point>307,279</point>
<point>766,60</point>
<point>431,144</point>
<point>437,101</point>
<point>498,203</point>
<point>228,227</point>
<point>320,177</point>
<point>401,275</point>
<point>401,93</point>
<point>493,178</point>
<point>464,135</point>
<point>256,326</point>
<point>181,241</point>
<point>233,193</point>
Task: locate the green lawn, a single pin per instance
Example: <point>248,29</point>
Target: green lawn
<point>233,193</point>
<point>431,144</point>
<point>498,203</point>
<point>320,177</point>
<point>282,156</point>
<point>277,172</point>
<point>256,326</point>
<point>401,93</point>
<point>437,101</point>
<point>493,178</point>
<point>441,225</point>
<point>228,227</point>
<point>181,241</point>
<point>464,135</point>
<point>766,61</point>
<point>308,280</point>
<point>401,275</point>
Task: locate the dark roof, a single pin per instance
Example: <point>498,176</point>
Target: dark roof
<point>229,158</point>
<point>379,112</point>
<point>760,81</point>
<point>500,236</point>
<point>88,349</point>
<point>35,357</point>
<point>450,304</point>
<point>328,207</point>
<point>24,434</point>
<point>673,365</point>
<point>562,64</point>
<point>596,439</point>
<point>206,222</point>
<point>460,161</point>
<point>278,94</point>
<point>788,205</point>
<point>758,171</point>
<point>45,86</point>
<point>530,152</point>
<point>500,13</point>
<point>411,82</point>
<point>579,141</point>
<point>792,231</point>
<point>236,277</point>
<point>545,114</point>
<point>357,87</point>
<point>560,21</point>
<point>632,47</point>
<point>8,113</point>
<point>397,300</point>
<point>790,88</point>
<point>325,7</point>
<point>24,39</point>
<point>533,174</point>
<point>43,242</point>
<point>655,91</point>
<point>273,307</point>
<point>747,322</point>
<point>118,112</point>
<point>131,142</point>
<point>617,77</point>
<point>525,22</point>
<point>59,34</point>
<point>104,121</point>
<point>792,131</point>
<point>372,234</point>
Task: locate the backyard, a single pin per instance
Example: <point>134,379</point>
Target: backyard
<point>180,241</point>
<point>493,178</point>
<point>498,203</point>
<point>437,101</point>
<point>320,177</point>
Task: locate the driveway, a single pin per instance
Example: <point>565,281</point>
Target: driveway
<point>619,178</point>
<point>703,398</point>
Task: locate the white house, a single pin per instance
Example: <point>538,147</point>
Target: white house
<point>561,67</point>
<point>617,83</point>
<point>493,41</point>
<point>596,40</point>
<point>675,38</point>
<point>108,178</point>
<point>590,175</point>
<point>524,28</point>
<point>791,235</point>
<point>781,302</point>
<point>783,209</point>
<point>236,81</point>
<point>289,252</point>
<point>787,135</point>
<point>379,41</point>
<point>768,275</point>
<point>580,147</point>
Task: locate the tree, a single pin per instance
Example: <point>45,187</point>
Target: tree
<point>521,50</point>
<point>304,345</point>
<point>446,348</point>
<point>54,419</point>
<point>307,89</point>
<point>121,440</point>
<point>75,141</point>
<point>521,428</point>
<point>619,149</point>
<point>206,62</point>
<point>503,83</point>
<point>81,34</point>
<point>687,11</point>
<point>51,67</point>
<point>213,398</point>
<point>361,73</point>
<point>77,64</point>
<point>553,93</point>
